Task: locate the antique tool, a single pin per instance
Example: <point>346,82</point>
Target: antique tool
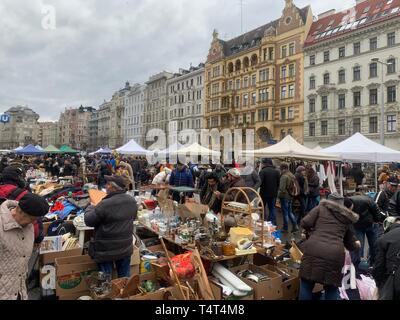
<point>173,269</point>
<point>204,284</point>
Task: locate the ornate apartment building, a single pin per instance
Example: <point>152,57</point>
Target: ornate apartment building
<point>185,100</point>
<point>343,84</point>
<point>117,107</point>
<point>255,80</point>
<point>155,107</point>
<point>23,128</point>
<point>73,127</point>
<point>132,118</point>
<point>48,134</point>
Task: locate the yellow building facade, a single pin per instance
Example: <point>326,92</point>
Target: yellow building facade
<point>255,81</point>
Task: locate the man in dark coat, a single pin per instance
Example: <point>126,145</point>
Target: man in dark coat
<point>313,188</point>
<point>369,214</point>
<point>357,174</point>
<point>383,198</point>
<point>329,232</point>
<point>388,256</point>
<point>270,178</point>
<point>180,177</point>
<point>112,220</point>
<point>301,178</point>
<point>208,195</point>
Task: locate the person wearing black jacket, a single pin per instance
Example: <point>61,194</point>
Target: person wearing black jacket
<point>383,198</point>
<point>112,220</point>
<point>208,192</point>
<point>388,256</point>
<point>369,214</point>
<point>270,179</point>
<point>301,178</point>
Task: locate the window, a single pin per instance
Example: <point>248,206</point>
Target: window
<point>342,52</point>
<point>312,82</point>
<point>283,92</point>
<point>356,125</point>
<point>391,92</point>
<point>391,123</point>
<point>246,82</point>
<point>356,73</point>
<point>245,100</point>
<point>391,39</point>
<point>373,124</point>
<point>291,49</point>
<point>326,56</point>
<point>230,85</point>
<point>342,76</point>
<point>291,70</point>
<point>283,52</point>
<point>312,60</point>
<point>283,114</point>
<point>291,91</point>
<point>357,99</point>
<point>283,72</point>
<point>263,115</point>
<point>271,53</point>
<point>391,68</point>
<point>326,79</point>
<point>373,96</point>
<point>290,113</point>
<point>373,43</point>
<point>312,105</point>
<point>264,75</point>
<point>253,98</point>
<point>237,101</point>
<point>356,48</point>
<point>341,127</point>
<point>311,129</point>
<point>373,70</point>
<point>237,84</point>
<point>342,101</point>
<point>253,80</point>
<point>263,96</point>
<point>253,117</point>
<point>324,128</point>
<point>324,103</point>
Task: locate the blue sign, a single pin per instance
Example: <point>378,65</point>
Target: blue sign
<point>4,118</point>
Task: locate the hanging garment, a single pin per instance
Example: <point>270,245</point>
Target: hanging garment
<point>331,179</point>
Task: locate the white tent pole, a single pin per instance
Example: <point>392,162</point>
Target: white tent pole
<point>376,177</point>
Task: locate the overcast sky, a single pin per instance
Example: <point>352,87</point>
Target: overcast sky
<point>99,44</point>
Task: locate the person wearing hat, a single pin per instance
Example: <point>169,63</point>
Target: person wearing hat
<point>387,260</point>
<point>233,180</point>
<point>382,198</point>
<point>112,220</point>
<point>328,229</point>
<point>301,177</point>
<point>270,178</point>
<point>17,238</point>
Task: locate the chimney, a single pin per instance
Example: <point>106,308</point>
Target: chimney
<point>326,14</point>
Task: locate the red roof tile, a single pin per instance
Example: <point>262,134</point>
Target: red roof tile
<point>360,16</point>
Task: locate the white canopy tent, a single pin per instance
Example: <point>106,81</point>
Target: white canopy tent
<point>290,148</point>
<point>133,148</point>
<point>39,147</point>
<point>173,148</point>
<point>18,149</point>
<point>358,148</point>
<point>197,150</point>
<point>318,149</point>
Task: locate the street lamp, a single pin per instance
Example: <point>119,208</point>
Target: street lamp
<point>382,130</point>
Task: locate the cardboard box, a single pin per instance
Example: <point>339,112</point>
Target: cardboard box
<point>50,258</point>
<point>291,286</point>
<point>71,273</point>
<point>74,296</point>
<point>266,290</point>
<point>218,293</point>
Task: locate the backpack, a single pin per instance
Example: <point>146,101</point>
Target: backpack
<point>294,187</point>
<point>12,195</point>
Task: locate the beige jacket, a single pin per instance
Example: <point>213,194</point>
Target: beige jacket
<point>16,245</point>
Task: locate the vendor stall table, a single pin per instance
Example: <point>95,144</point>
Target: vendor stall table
<point>82,232</point>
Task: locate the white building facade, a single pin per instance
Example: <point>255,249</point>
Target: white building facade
<point>133,116</point>
<point>186,101</point>
<point>343,84</point>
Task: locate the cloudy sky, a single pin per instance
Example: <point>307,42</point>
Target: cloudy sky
<point>99,44</point>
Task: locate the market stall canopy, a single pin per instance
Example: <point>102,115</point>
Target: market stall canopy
<point>29,150</point>
<point>67,149</point>
<point>196,149</point>
<point>5,151</point>
<point>359,148</point>
<point>102,151</point>
<point>290,148</point>
<point>318,148</point>
<point>39,148</point>
<point>133,148</point>
<point>18,149</point>
<point>173,148</point>
<point>52,149</point>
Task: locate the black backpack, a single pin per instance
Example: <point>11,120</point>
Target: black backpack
<point>12,196</point>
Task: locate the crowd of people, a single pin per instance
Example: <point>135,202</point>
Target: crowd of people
<point>328,225</point>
